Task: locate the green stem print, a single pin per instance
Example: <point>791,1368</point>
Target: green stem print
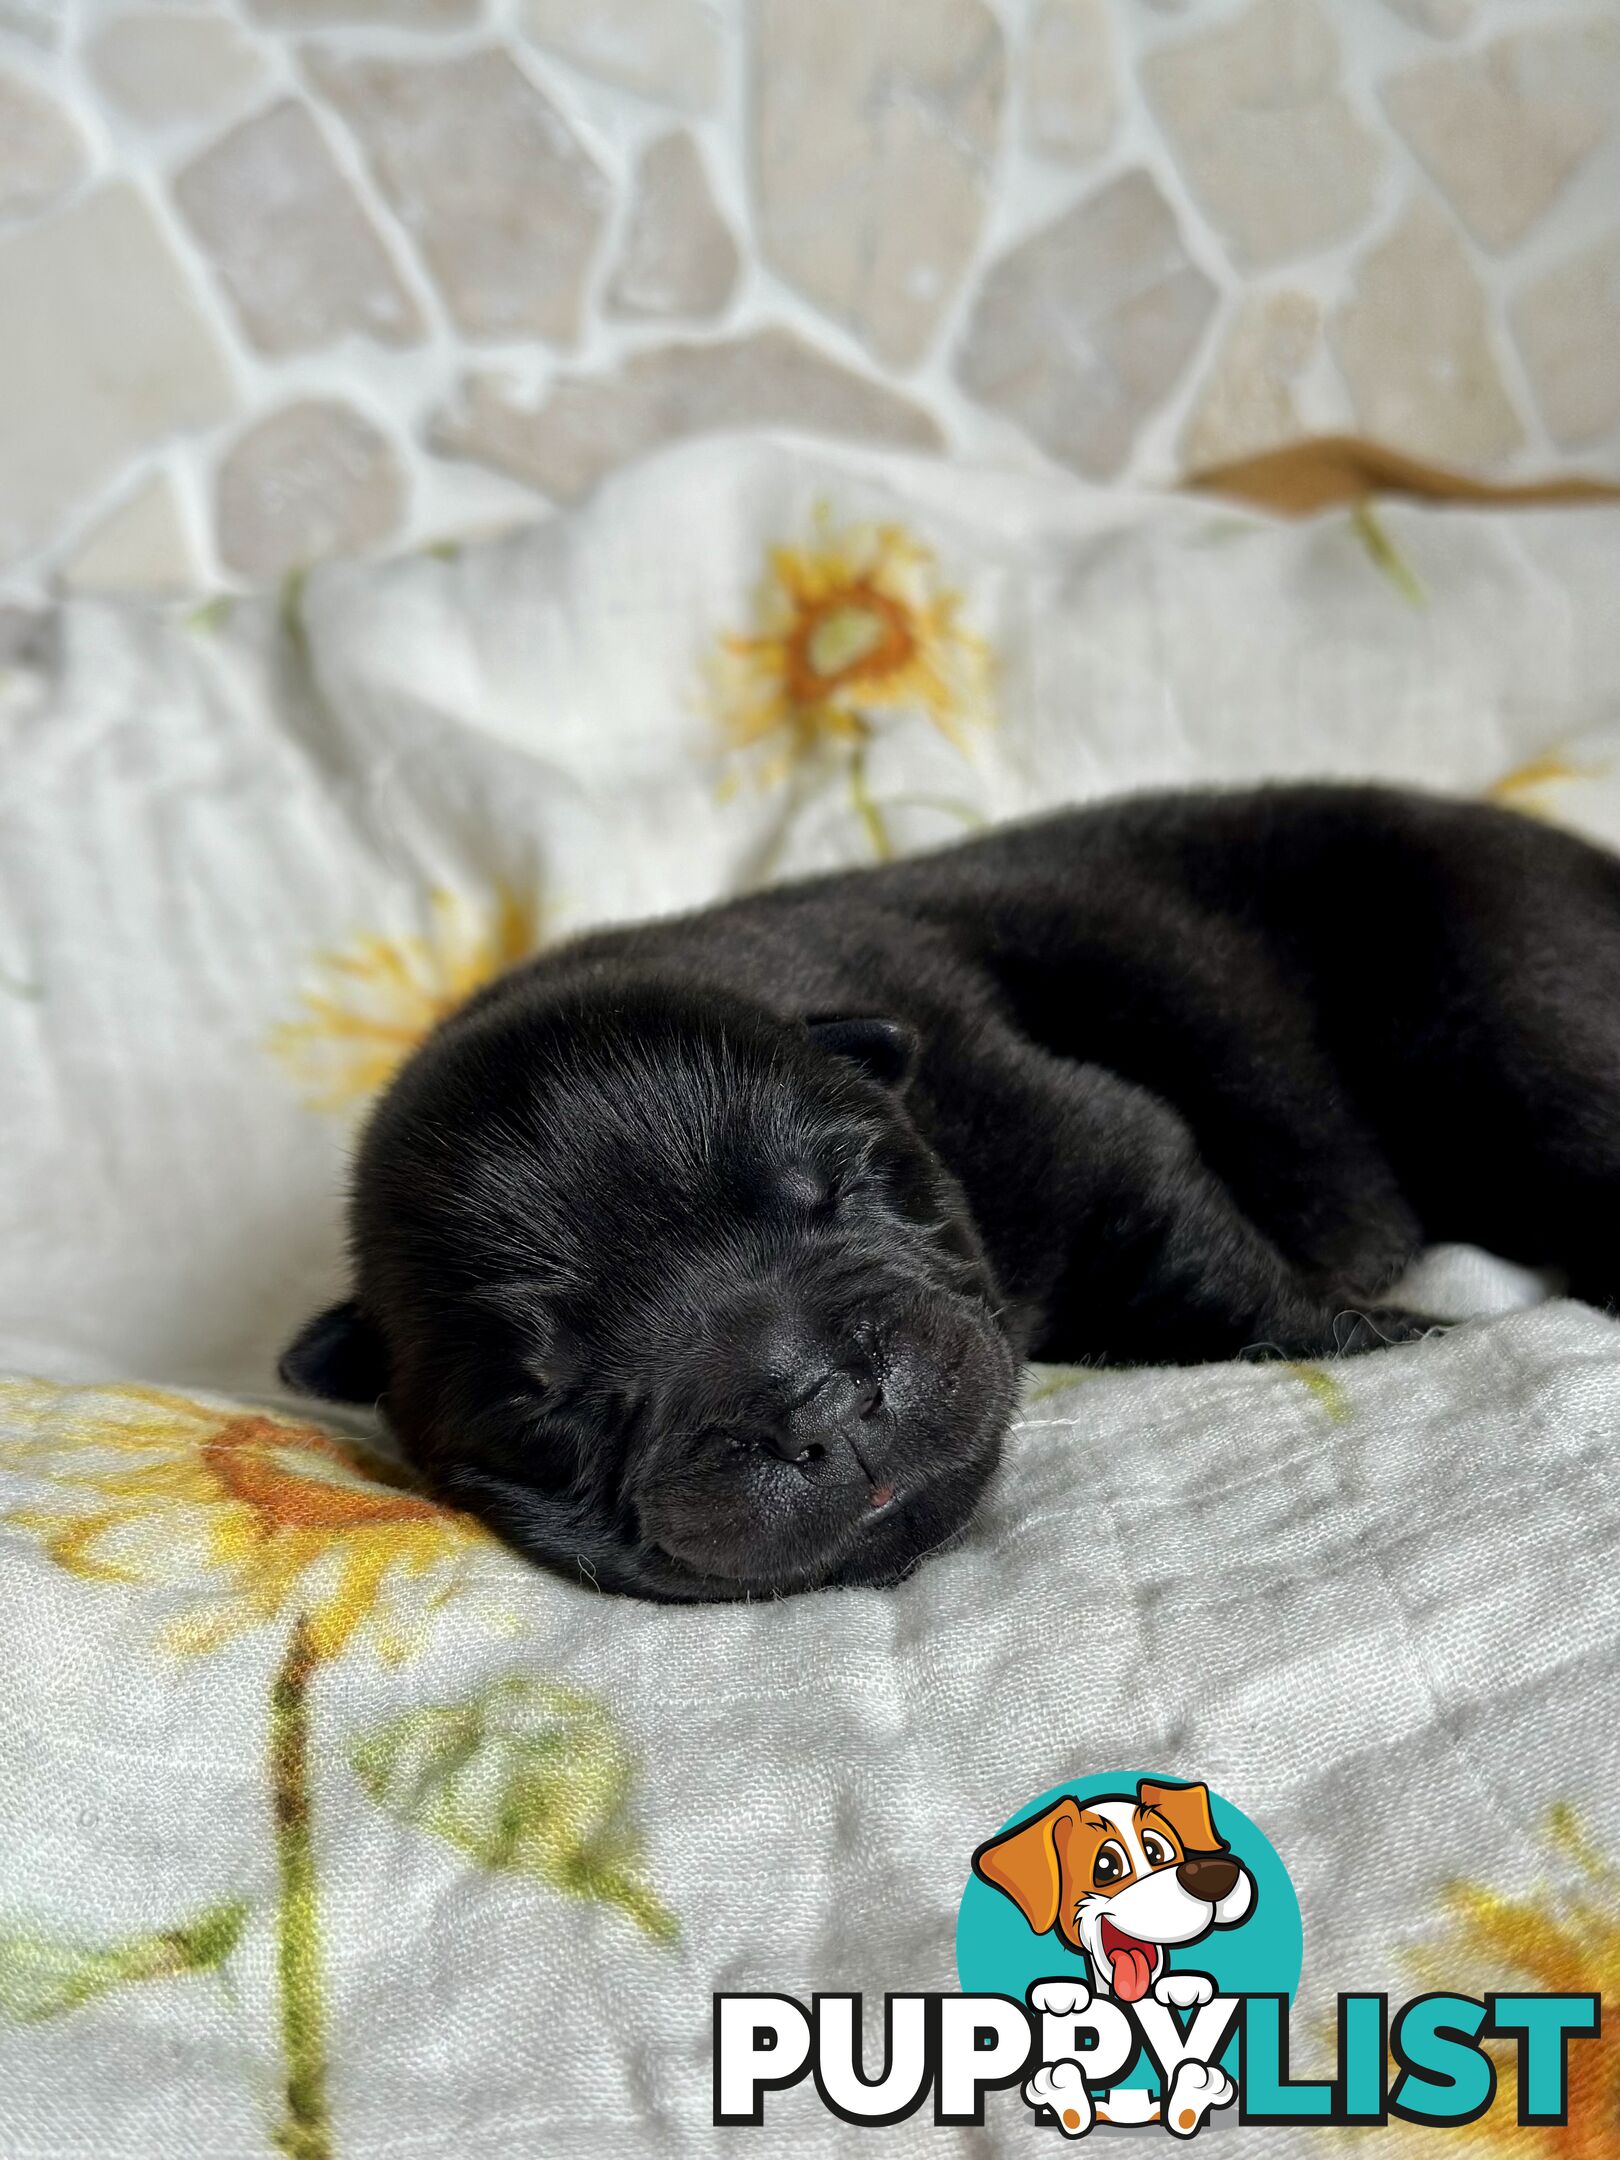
<point>1328,1391</point>
<point>1056,1380</point>
<point>306,2133</point>
<point>1370,530</point>
<point>42,1976</point>
<point>866,809</point>
<point>528,1778</point>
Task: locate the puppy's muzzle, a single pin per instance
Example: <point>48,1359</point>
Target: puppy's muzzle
<point>829,1408</point>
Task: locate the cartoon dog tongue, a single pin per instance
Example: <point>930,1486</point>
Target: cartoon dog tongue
<point>1132,1963</point>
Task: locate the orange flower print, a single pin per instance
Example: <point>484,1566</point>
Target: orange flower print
<point>1560,1936</point>
<point>263,1517</point>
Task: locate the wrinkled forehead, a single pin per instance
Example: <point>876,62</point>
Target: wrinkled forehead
<point>686,1119</point>
<point>602,1157</point>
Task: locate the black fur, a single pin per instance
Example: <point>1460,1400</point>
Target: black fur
<point>680,1248</point>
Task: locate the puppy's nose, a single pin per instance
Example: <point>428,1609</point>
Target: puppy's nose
<point>828,1410</point>
<point>1208,1876</point>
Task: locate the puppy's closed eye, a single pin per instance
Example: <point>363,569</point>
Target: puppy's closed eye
<point>531,1334</point>
<point>809,1190</point>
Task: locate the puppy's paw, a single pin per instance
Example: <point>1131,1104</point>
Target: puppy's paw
<point>1060,1998</point>
<point>1061,2087</point>
<point>1195,2089</point>
<point>1184,1990</point>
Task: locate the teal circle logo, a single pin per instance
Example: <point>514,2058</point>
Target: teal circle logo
<point>1118,1879</point>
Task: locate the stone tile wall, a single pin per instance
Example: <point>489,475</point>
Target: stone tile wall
<point>285,278</point>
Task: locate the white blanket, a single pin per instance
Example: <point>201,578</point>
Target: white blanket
<point>326,1825</point>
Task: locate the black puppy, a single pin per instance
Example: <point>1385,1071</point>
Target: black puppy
<point>701,1257</point>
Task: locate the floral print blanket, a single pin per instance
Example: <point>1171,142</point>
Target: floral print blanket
<point>327,1827</point>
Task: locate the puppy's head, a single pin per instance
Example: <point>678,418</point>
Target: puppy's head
<point>672,1292</point>
<point>1121,1878</point>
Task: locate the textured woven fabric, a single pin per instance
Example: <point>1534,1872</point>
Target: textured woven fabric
<point>326,1825</point>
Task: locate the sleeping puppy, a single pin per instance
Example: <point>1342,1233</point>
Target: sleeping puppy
<point>700,1258</point>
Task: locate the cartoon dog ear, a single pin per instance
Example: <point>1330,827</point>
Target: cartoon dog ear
<point>1186,1809</point>
<point>1026,1864</point>
<point>885,1050</point>
<point>338,1356</point>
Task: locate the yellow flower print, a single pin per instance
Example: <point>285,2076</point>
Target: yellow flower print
<point>290,1517</point>
<point>1527,786</point>
<point>380,995</point>
<point>1559,1938</point>
<point>856,624</point>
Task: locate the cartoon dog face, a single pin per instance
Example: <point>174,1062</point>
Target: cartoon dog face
<point>1121,1880</point>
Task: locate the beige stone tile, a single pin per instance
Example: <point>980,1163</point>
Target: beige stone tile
<point>874,131</point>
<point>587,425</point>
<point>42,152</point>
<point>105,354</point>
<point>312,481</point>
<point>140,548</point>
<point>1502,130</point>
<point>670,50</point>
<point>1246,403</point>
<point>1567,325</point>
<point>1413,342</point>
<point>294,248</point>
<point>159,67</point>
<point>1255,114</point>
<point>502,198</point>
<point>1083,329</point>
<point>679,256</point>
<point>1070,91</point>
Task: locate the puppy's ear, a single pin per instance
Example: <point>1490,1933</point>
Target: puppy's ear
<point>885,1050</point>
<point>1026,1864</point>
<point>338,1355</point>
<point>1186,1809</point>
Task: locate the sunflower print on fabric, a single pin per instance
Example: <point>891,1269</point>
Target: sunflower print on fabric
<point>268,1522</point>
<point>852,628</point>
<point>376,998</point>
<point>260,1522</point>
<point>1558,1935</point>
<point>264,1517</point>
<point>1534,786</point>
